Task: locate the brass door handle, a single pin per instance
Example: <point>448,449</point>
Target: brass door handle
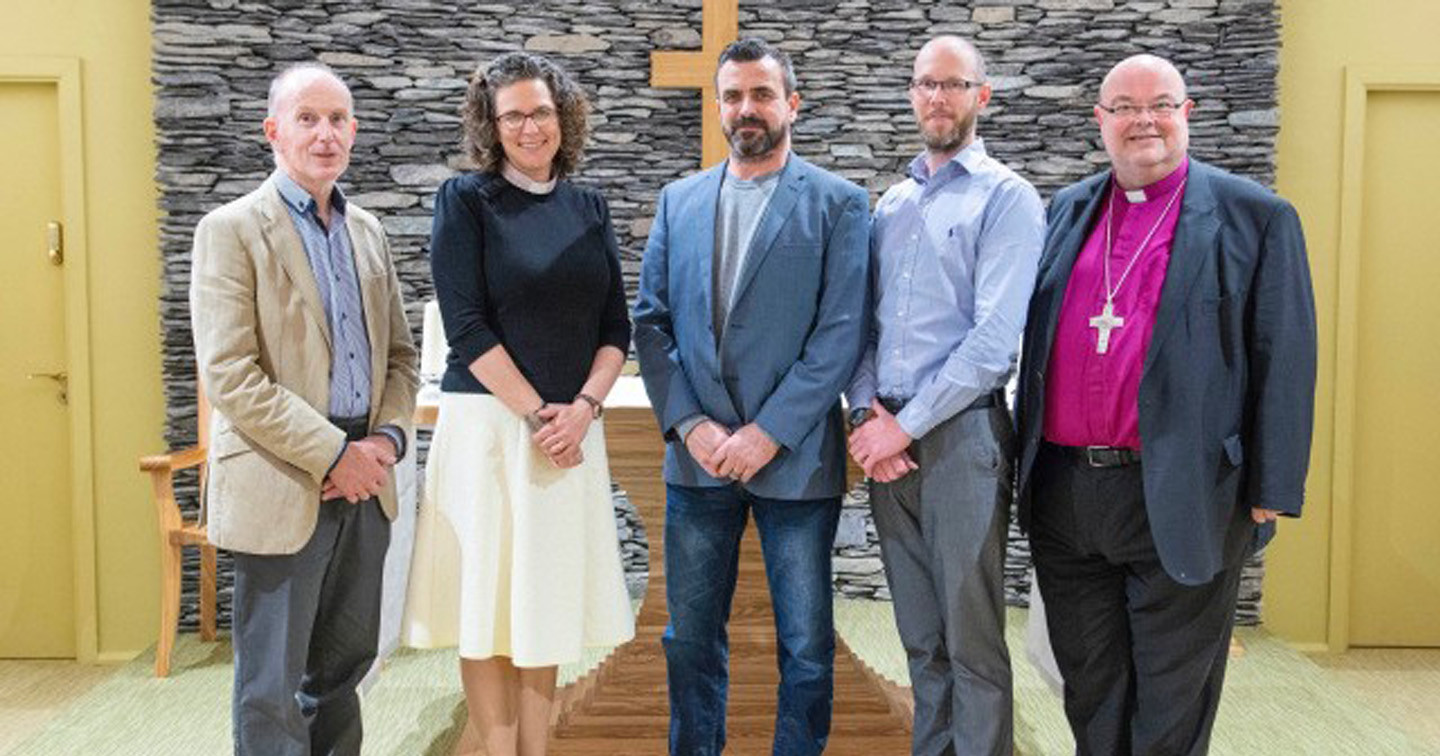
<point>62,379</point>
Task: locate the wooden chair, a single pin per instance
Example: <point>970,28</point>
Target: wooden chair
<point>175,534</point>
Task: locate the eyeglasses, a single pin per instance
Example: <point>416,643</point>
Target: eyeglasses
<point>515,120</point>
<point>1162,110</point>
<point>928,87</point>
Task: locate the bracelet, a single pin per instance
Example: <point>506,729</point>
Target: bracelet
<point>532,418</point>
<point>596,408</point>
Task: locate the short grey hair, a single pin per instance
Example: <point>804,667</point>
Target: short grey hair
<point>286,80</point>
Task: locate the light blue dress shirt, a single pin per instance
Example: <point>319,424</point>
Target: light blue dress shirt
<point>334,266</point>
<point>953,262</point>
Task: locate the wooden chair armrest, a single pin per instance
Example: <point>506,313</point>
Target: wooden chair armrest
<point>180,460</point>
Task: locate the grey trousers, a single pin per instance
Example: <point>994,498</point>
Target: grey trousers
<point>942,538</point>
<point>306,627</point>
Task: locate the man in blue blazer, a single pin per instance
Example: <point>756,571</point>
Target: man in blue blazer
<point>1166,403</point>
<point>749,322</point>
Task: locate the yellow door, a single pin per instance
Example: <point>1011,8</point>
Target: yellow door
<point>37,590</point>
<point>1395,573</point>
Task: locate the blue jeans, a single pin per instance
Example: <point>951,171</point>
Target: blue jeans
<point>703,527</point>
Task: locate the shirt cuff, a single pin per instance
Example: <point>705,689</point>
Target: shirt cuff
<point>343,446</point>
<point>683,428</point>
<point>396,437</point>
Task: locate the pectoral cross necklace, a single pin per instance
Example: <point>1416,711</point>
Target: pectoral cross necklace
<point>1107,321</point>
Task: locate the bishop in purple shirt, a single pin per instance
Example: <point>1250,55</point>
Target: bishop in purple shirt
<point>1166,403</point>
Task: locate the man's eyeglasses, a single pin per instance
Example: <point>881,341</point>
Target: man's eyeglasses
<point>515,120</point>
<point>928,87</point>
<point>1162,110</point>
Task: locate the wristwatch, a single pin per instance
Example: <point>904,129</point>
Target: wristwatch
<point>859,415</point>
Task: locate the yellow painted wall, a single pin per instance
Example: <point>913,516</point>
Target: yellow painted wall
<point>1320,38</point>
<point>111,38</point>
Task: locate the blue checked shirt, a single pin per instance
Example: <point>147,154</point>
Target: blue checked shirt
<point>333,264</point>
<point>953,263</point>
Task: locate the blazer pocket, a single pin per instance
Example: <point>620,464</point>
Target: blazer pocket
<point>228,443</point>
<point>1234,450</point>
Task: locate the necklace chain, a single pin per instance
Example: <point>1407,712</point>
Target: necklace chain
<point>1109,211</point>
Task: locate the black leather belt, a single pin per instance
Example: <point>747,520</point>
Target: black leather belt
<point>1099,456</point>
<point>985,401</point>
<point>355,428</point>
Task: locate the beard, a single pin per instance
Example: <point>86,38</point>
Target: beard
<point>753,146</point>
<point>951,139</point>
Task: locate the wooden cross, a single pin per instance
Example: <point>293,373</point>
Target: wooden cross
<point>696,70</point>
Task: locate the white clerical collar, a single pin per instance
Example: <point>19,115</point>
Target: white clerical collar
<point>1135,196</point>
<point>523,182</point>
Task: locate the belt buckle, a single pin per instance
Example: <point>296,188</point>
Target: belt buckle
<point>1090,456</point>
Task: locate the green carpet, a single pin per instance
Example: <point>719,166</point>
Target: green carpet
<point>1277,701</point>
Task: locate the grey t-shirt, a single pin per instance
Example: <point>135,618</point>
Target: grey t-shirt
<point>742,204</point>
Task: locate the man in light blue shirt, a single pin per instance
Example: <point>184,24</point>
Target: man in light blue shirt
<point>954,251</point>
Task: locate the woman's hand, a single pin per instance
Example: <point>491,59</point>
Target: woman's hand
<point>565,427</point>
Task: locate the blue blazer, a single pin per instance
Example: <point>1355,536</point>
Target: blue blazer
<point>794,334</point>
<point>1227,390</point>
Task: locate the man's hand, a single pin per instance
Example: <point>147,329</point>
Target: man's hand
<point>891,469</point>
<point>704,441</point>
<point>361,471</point>
<point>1262,516</point>
<point>744,453</point>
<point>880,438</point>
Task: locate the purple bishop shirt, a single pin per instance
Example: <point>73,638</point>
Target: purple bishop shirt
<point>1092,399</point>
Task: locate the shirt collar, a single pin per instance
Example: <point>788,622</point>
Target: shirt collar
<point>967,160</point>
<point>295,196</point>
<point>1159,190</point>
<point>520,181</point>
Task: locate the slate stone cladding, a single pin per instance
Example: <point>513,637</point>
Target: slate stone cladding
<point>407,62</point>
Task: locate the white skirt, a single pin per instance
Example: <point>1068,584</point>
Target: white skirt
<point>513,556</point>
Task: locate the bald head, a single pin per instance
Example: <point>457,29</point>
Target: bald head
<point>296,78</point>
<point>952,46</point>
<point>1145,66</point>
<point>1144,119</point>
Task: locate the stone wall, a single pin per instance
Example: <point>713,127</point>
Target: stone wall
<point>407,62</point>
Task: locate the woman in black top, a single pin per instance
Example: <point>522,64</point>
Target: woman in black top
<point>527,273</point>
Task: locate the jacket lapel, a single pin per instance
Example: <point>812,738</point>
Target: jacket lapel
<point>284,242</point>
<point>792,183</point>
<point>700,212</point>
<point>1196,233</point>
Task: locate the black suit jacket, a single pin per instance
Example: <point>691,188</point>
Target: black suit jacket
<point>1227,389</point>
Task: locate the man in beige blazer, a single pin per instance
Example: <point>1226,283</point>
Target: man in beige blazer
<point>304,352</point>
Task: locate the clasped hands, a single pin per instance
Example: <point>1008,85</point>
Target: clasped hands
<point>879,446</point>
<point>565,427</point>
<point>362,469</point>
<point>737,456</point>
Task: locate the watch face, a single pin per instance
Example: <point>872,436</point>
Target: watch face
<point>859,415</point>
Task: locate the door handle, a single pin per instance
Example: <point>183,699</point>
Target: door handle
<point>61,379</point>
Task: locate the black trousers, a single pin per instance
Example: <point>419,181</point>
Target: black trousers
<point>1143,657</point>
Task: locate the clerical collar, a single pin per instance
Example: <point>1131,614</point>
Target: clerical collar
<point>1159,190</point>
<point>525,183</point>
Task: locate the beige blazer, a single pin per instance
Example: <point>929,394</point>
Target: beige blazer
<point>262,346</point>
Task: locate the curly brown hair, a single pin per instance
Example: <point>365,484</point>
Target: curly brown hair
<point>482,137</point>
